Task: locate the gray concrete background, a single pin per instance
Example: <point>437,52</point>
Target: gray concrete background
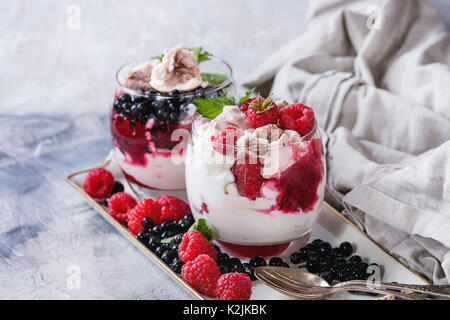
<point>51,67</point>
<point>56,88</point>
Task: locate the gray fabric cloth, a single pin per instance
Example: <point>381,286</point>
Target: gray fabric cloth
<point>377,76</point>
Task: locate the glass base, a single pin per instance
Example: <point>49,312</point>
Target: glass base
<point>283,250</point>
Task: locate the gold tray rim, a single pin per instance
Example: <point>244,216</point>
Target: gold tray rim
<point>191,290</point>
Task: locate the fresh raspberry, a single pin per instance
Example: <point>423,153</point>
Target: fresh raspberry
<point>172,208</point>
<point>297,117</point>
<point>193,244</point>
<point>145,208</point>
<point>226,139</point>
<point>119,205</point>
<point>246,104</point>
<point>248,178</point>
<point>99,183</point>
<point>202,274</point>
<point>261,112</point>
<point>234,286</point>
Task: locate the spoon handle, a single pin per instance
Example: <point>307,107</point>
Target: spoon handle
<point>365,288</point>
<point>436,290</point>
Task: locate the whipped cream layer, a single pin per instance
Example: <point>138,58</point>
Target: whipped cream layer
<point>213,193</point>
<point>160,170</point>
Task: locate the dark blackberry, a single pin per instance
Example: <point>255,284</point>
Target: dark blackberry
<point>363,267</point>
<point>173,118</point>
<point>284,265</point>
<point>189,218</point>
<point>177,238</point>
<point>339,262</point>
<point>118,187</point>
<point>303,253</point>
<point>139,111</point>
<point>327,276</point>
<point>346,249</point>
<point>143,236</point>
<point>153,242</point>
<point>147,223</point>
<point>168,256</point>
<point>173,106</point>
<point>224,269</point>
<point>325,263</point>
<point>161,248</point>
<point>125,223</point>
<point>150,91</point>
<point>184,225</point>
<point>156,230</point>
<point>223,258</point>
<point>257,262</point>
<point>237,268</point>
<point>176,265</point>
<point>316,242</point>
<point>161,115</point>
<point>168,225</point>
<point>234,261</point>
<point>217,248</point>
<point>249,270</point>
<point>276,261</point>
<point>140,98</point>
<point>324,248</point>
<point>312,256</point>
<point>124,97</point>
<point>336,252</point>
<point>313,266</point>
<point>167,234</point>
<point>355,259</point>
<point>158,104</point>
<point>296,258</point>
<point>117,105</point>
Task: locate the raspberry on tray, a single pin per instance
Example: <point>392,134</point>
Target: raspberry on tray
<point>119,204</point>
<point>145,208</point>
<point>99,183</point>
<point>202,274</point>
<point>193,244</point>
<point>234,286</point>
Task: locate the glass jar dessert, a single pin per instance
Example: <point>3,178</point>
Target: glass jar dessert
<point>153,112</point>
<point>256,173</point>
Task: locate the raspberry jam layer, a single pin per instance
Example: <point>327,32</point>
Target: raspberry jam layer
<point>244,251</point>
<point>297,185</point>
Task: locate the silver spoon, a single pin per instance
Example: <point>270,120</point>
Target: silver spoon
<point>303,284</point>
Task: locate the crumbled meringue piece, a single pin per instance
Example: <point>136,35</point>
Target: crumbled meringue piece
<point>178,70</point>
<point>270,132</point>
<point>281,103</point>
<point>139,77</point>
<point>232,115</point>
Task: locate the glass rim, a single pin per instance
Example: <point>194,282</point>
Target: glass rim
<point>214,88</point>
<point>196,121</point>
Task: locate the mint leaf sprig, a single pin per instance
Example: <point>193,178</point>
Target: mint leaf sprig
<point>212,107</point>
<point>202,226</point>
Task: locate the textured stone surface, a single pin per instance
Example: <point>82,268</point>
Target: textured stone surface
<point>56,87</point>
